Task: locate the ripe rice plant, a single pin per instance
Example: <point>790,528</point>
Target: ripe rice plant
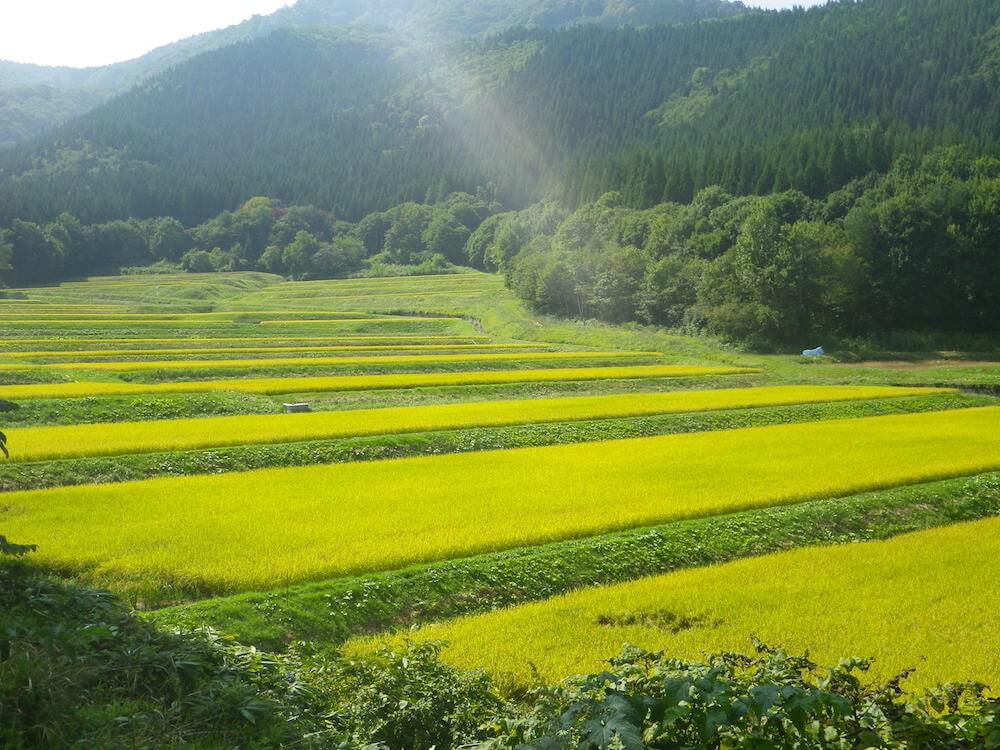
<point>195,534</point>
<point>129,320</point>
<point>410,294</point>
<point>264,349</point>
<point>15,476</point>
<point>273,386</point>
<point>55,317</point>
<point>29,303</point>
<point>78,310</point>
<point>324,289</point>
<point>922,600</point>
<point>46,443</point>
<point>385,319</point>
<point>75,341</point>
<point>54,314</point>
<point>394,359</point>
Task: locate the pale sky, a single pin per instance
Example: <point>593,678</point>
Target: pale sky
<point>82,33</point>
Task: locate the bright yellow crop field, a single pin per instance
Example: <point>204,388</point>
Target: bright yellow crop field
<point>266,349</point>
<point>387,319</point>
<point>42,443</point>
<point>76,341</point>
<point>324,288</point>
<point>323,521</point>
<point>271,386</point>
<point>927,600</point>
<point>107,317</point>
<point>406,295</point>
<point>55,315</point>
<point>28,304</point>
<point>242,364</point>
<point>131,321</point>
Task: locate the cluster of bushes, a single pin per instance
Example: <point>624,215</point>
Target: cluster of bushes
<point>300,242</point>
<point>304,242</point>
<point>915,249</point>
<point>77,668</point>
<point>33,253</point>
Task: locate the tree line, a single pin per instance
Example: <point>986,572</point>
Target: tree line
<point>915,248</point>
<point>299,242</point>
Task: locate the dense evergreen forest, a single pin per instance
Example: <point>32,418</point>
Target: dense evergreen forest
<point>35,98</point>
<point>355,122</point>
<point>914,249</point>
<point>767,177</point>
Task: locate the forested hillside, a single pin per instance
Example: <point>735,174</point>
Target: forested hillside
<point>34,99</point>
<point>913,250</point>
<point>358,122</point>
<point>826,172</point>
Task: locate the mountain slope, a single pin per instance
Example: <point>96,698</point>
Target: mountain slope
<point>357,122</point>
<point>33,98</point>
<point>444,20</point>
<point>27,111</point>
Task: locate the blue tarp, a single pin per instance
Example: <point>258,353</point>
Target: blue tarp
<point>819,351</point>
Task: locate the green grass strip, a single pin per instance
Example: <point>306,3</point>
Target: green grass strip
<point>324,521</point>
<point>333,611</point>
<point>392,359</point>
<point>360,382</point>
<point>47,443</point>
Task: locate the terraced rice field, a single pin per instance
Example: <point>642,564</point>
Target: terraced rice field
<point>399,359</point>
<point>262,350</point>
<point>46,443</point>
<point>460,461</point>
<point>913,600</point>
<point>369,517</point>
<point>35,322</point>
<point>358,382</point>
<point>207,342</point>
<point>372,321</point>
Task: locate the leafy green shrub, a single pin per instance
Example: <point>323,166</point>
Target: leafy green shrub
<point>197,261</point>
<point>410,699</point>
<point>768,700</point>
<point>79,669</point>
<point>76,667</point>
